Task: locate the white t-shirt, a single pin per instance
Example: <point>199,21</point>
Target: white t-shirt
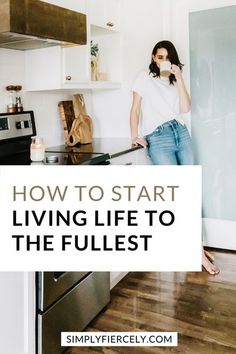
<point>160,101</point>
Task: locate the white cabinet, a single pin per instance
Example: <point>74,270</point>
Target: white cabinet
<point>58,68</point>
<point>75,5</point>
<point>69,67</point>
<point>43,69</point>
<point>75,64</point>
<point>54,68</point>
<point>17,308</point>
<point>104,13</point>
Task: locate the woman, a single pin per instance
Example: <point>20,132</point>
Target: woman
<point>162,100</point>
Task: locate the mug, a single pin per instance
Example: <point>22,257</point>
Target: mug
<point>165,67</point>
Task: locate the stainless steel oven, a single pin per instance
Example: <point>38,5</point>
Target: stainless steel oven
<point>67,302</point>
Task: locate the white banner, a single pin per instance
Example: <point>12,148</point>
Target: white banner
<point>104,218</point>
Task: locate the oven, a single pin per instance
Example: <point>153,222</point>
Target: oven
<point>67,302</point>
<point>16,130</point>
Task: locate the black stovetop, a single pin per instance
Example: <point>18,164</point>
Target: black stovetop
<point>62,154</point>
<point>74,156</point>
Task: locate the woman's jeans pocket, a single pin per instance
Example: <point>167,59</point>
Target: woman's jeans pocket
<point>157,132</point>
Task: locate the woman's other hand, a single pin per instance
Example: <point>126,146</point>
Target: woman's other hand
<point>176,71</point>
<point>139,141</point>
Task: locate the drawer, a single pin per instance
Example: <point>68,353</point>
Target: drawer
<point>73,312</point>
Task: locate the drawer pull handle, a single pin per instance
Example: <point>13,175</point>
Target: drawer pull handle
<point>68,77</point>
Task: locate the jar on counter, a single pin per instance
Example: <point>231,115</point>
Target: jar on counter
<point>37,149</point>
<point>11,106</point>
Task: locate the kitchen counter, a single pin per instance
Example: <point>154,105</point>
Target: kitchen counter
<point>120,151</point>
<point>115,147</point>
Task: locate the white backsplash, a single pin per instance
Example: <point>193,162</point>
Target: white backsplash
<point>47,118</point>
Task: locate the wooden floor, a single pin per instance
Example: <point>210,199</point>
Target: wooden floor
<point>201,308</point>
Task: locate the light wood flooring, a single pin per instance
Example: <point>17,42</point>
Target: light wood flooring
<point>200,307</point>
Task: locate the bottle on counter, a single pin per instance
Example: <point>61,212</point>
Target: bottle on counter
<point>37,149</point>
<point>19,105</point>
<point>11,106</point>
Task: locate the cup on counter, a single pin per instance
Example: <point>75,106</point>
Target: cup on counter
<point>165,68</point>
<point>37,149</point>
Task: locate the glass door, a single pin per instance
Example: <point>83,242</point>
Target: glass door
<point>212,38</point>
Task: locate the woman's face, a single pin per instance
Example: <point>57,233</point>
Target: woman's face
<point>161,55</point>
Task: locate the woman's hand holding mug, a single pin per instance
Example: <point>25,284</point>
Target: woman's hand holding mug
<point>176,71</point>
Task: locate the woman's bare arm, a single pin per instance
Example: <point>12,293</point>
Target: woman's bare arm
<point>185,100</point>
<point>134,120</point>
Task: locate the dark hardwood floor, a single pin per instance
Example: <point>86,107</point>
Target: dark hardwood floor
<point>200,307</point>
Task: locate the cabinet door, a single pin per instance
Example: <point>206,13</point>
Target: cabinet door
<point>43,68</point>
<point>17,325</point>
<point>112,14</point>
<point>96,10</point>
<point>75,5</point>
<point>50,68</point>
<point>76,66</point>
<point>104,13</point>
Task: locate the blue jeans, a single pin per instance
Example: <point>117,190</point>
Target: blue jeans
<point>170,144</point>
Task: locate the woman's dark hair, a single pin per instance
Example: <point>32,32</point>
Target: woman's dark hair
<point>172,55</point>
